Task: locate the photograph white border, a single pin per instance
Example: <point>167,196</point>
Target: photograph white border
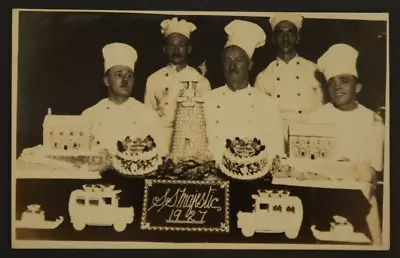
<point>29,244</point>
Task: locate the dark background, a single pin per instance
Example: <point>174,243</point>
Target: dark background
<point>60,63</point>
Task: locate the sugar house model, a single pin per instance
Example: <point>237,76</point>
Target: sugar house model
<point>310,140</point>
<point>67,133</point>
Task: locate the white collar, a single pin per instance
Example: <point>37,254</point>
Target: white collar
<point>296,58</point>
<point>248,89</point>
<point>109,104</point>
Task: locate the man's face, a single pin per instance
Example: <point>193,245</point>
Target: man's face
<point>177,48</point>
<point>119,80</point>
<point>286,37</point>
<point>236,65</point>
<point>343,90</point>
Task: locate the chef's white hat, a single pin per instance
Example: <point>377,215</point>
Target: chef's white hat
<point>338,59</point>
<point>119,54</point>
<point>294,18</point>
<point>175,26</point>
<point>246,35</point>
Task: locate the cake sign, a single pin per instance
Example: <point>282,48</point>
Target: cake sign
<point>186,205</point>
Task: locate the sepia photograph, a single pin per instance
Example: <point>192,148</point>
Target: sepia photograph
<point>200,130</point>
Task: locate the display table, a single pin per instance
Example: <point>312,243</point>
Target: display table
<point>319,205</point>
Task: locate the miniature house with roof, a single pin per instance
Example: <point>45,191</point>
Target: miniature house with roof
<point>67,133</point>
<point>310,140</point>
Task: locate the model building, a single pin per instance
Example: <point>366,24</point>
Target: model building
<point>310,140</point>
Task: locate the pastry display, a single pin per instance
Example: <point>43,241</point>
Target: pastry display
<point>245,159</point>
<point>137,157</point>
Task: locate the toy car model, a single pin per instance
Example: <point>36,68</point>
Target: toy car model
<point>97,205</point>
<point>274,212</point>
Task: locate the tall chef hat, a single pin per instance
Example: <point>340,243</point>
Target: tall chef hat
<point>338,59</point>
<point>175,26</point>
<point>294,18</point>
<point>246,35</point>
<point>119,54</point>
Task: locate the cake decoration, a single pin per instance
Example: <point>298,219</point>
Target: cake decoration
<point>190,136</point>
<point>68,144</point>
<point>198,168</point>
<point>245,159</point>
<point>137,157</point>
<point>98,205</point>
<point>341,230</point>
<point>34,217</point>
<point>275,211</point>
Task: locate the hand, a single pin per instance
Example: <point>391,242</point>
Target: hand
<point>365,173</point>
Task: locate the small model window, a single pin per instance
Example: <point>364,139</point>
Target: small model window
<point>107,200</point>
<point>94,202</point>
<point>264,206</point>
<point>75,145</point>
<point>71,133</point>
<point>312,156</point>
<point>51,133</point>
<point>65,147</point>
<point>55,145</point>
<point>80,201</point>
<point>277,208</point>
<point>81,133</point>
<point>61,133</point>
<point>98,142</point>
<point>290,209</point>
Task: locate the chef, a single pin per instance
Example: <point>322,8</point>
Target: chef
<point>163,86</point>
<point>290,79</point>
<point>237,109</point>
<point>119,115</point>
<point>359,131</point>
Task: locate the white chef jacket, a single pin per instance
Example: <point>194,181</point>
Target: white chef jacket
<point>293,86</point>
<point>244,113</point>
<point>162,91</point>
<point>111,123</point>
<point>359,133</point>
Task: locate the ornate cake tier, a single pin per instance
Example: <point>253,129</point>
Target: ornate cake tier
<point>245,159</point>
<point>137,158</point>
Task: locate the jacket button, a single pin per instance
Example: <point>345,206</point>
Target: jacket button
<point>166,89</point>
<point>218,106</point>
<point>217,121</point>
<point>297,77</point>
<point>298,94</point>
<point>298,62</point>
<point>166,74</point>
<point>300,111</point>
<point>278,96</point>
<point>277,78</point>
<point>166,103</point>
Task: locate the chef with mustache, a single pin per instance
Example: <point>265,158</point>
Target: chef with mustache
<point>237,109</point>
<point>359,131</point>
<point>163,86</point>
<point>118,116</point>
<point>290,79</point>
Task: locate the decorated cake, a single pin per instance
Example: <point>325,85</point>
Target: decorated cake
<point>34,217</point>
<point>312,155</point>
<point>68,144</point>
<point>244,159</point>
<point>189,158</point>
<point>340,225</point>
<point>201,167</point>
<point>136,157</point>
